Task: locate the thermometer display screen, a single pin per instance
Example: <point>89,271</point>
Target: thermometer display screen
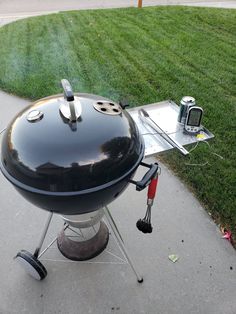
<point>194,117</point>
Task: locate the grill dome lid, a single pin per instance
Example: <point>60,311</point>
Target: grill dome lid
<point>51,146</point>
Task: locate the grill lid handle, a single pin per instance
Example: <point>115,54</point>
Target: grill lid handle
<point>71,109</point>
<point>68,92</point>
<point>69,96</point>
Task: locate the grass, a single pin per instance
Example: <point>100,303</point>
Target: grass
<point>143,55</point>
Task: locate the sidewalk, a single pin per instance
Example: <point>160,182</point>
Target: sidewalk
<point>202,281</point>
<point>11,11</point>
<point>12,6</point>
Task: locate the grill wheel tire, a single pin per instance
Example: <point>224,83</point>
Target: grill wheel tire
<point>31,265</point>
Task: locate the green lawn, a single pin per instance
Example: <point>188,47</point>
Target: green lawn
<point>143,55</point>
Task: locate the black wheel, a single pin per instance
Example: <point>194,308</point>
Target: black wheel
<point>31,265</point>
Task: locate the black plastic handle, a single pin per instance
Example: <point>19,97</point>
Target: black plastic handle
<point>123,104</point>
<point>69,96</point>
<point>68,92</point>
<point>142,184</point>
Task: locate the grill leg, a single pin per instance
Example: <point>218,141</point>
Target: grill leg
<point>120,242</point>
<point>45,230</point>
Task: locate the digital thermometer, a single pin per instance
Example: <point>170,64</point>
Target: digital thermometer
<point>193,121</point>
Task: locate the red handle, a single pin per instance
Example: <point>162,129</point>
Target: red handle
<point>152,188</point>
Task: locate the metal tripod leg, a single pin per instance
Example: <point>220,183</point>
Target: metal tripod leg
<point>45,230</point>
<point>66,226</point>
<point>120,241</point>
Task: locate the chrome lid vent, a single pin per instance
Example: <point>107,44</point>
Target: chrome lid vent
<point>107,107</point>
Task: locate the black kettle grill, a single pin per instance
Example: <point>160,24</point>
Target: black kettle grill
<point>73,155</point>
